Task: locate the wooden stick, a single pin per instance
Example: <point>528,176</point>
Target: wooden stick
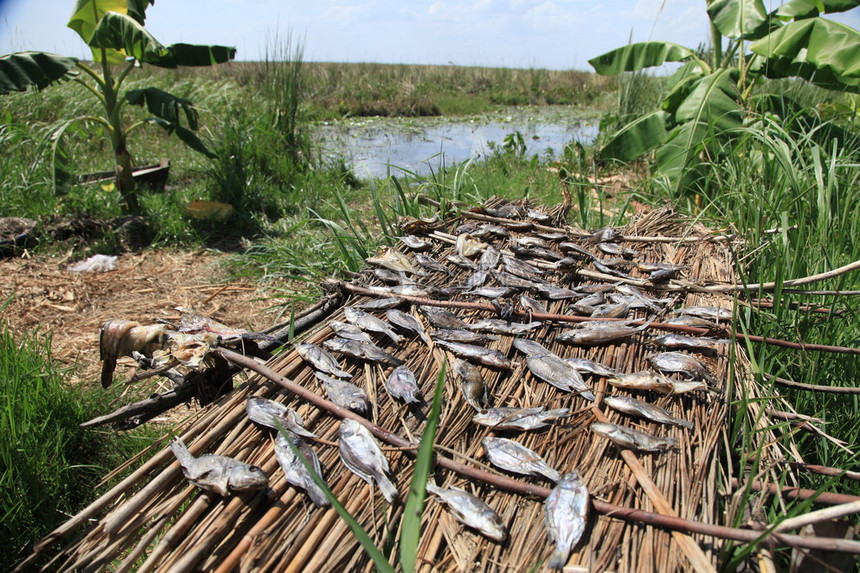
<point>788,492</point>
<point>817,516</point>
<point>813,387</point>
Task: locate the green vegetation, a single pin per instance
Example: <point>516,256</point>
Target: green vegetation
<point>48,465</point>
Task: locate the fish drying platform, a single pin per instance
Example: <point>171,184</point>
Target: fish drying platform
<point>649,511</point>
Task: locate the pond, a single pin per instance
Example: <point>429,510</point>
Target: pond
<point>372,146</point>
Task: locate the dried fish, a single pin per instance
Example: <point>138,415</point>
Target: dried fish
<point>529,347</point>
<point>600,332</point>
<point>531,304</point>
<point>412,290</point>
<point>555,371</point>
<point>218,473</point>
<point>362,350</point>
<point>416,243</point>
<point>552,235</point>
<point>679,362</point>
<point>392,278</point>
<point>402,386</point>
<point>407,322</point>
<point>536,253</point>
<point>321,360</point>
<point>345,394</point>
<point>689,342</point>
<point>591,367</point>
<point>515,457</point>
<point>381,303</point>
<point>442,318</point>
<point>476,279</point>
<point>482,354</point>
<point>269,413</point>
<point>521,419</point>
<point>469,246</point>
<point>530,241</point>
<point>539,216</point>
<point>363,457</point>
<point>709,312</point>
<point>432,264</point>
<point>633,439</point>
<point>462,262</point>
<point>688,320</point>
<point>509,280</point>
<point>487,230</point>
<point>553,292</point>
<point>607,267</point>
<point>489,259</point>
<point>616,250</point>
<point>393,260</point>
<point>472,384</point>
<point>295,471</point>
<point>565,514</point>
<point>350,331</point>
<point>461,335</point>
<point>369,322</point>
<point>498,326</point>
<point>521,269</point>
<point>493,292</point>
<point>604,235</point>
<point>645,410</point>
<point>471,511</point>
<point>616,310</point>
<point>409,224</point>
<point>569,247</point>
<point>648,380</point>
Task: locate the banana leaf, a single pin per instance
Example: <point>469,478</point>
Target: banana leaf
<point>87,15</point>
<point>637,137</point>
<point>122,34</point>
<point>799,9</point>
<point>164,105</point>
<point>737,18</point>
<point>22,70</point>
<point>633,57</point>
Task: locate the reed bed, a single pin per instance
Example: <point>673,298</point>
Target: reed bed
<point>155,521</point>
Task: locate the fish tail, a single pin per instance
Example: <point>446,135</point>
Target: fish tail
<point>389,492</point>
<point>558,559</point>
<point>177,446</point>
<point>686,424</point>
<point>317,496</point>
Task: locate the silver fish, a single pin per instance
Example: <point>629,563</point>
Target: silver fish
<point>521,419</point>
<point>393,260</point>
<point>591,367</point>
<point>689,320</point>
<point>565,515</point>
<point>295,471</point>
<point>431,264</point>
<point>476,279</point>
<point>487,230</point>
<point>350,331</point>
<point>472,384</point>
<point>709,312</point>
<point>471,511</point>
<point>553,292</point>
<point>489,259</point>
<point>461,335</point>
<point>531,304</point>
<point>345,394</point>
<point>416,243</point>
<point>616,310</point>
<point>442,318</point>
<point>412,290</point>
<point>555,371</point>
<point>580,253</point>
<point>462,262</point>
<point>599,332</point>
<point>408,322</point>
<point>633,439</point>
<point>651,267</point>
<point>321,360</point>
<point>617,250</point>
<point>268,413</point>
<point>493,292</point>
<point>363,457</point>
<point>482,354</point>
<point>530,241</point>
<point>497,326</point>
<point>689,342</point>
<point>392,278</point>
<point>515,457</point>
<point>513,281</point>
<point>369,322</point>
<point>381,303</point>
<point>645,410</point>
<point>647,380</point>
<point>362,350</point>
<point>402,386</point>
<point>607,267</point>
<point>604,235</point>
<point>679,362</point>
<point>527,346</point>
<point>521,269</point>
<point>218,473</point>
<point>552,235</point>
<point>536,253</point>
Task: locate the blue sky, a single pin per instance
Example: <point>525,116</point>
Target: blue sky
<point>555,34</point>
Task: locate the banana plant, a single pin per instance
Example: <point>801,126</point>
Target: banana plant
<point>709,95</point>
<point>114,31</point>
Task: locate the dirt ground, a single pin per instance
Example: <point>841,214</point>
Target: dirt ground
<point>145,286</point>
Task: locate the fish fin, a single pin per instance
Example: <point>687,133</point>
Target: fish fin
<point>317,496</point>
<point>177,446</point>
<point>558,559</point>
<point>389,491</point>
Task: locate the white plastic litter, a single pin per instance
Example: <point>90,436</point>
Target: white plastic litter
<point>95,264</point>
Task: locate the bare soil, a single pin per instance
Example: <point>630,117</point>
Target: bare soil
<point>146,286</point>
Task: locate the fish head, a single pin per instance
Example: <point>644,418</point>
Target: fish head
<point>246,477</point>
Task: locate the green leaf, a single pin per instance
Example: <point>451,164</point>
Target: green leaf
<point>637,56</point>
<point>61,157</point>
<point>713,100</point>
<point>736,18</point>
<point>679,151</point>
<point>799,9</point>
<point>88,13</point>
<point>637,137</point>
<point>164,105</point>
<point>411,527</point>
<point>682,82</point>
<point>22,70</point>
<point>193,55</point>
<point>818,50</point>
<point>124,35</point>
<point>187,136</point>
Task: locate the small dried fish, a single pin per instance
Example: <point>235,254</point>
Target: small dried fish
<point>345,394</point>
<point>683,363</point>
<point>442,318</point>
<point>552,235</point>
<point>471,511</point>
<point>529,347</point>
<point>362,350</point>
<point>604,235</point>
<point>709,312</point>
<point>393,260</point>
<point>580,253</point>
<point>461,335</point>
<point>600,331</point>
<point>565,514</point>
<point>468,245</point>
<point>616,310</point>
<point>522,419</point>
<point>381,303</point>
<point>472,384</point>
<point>413,289</point>
<point>688,320</point>
<point>462,262</point>
<point>647,380</point>
<point>482,354</point>
<point>690,342</point>
<point>476,279</point>
<point>321,360</point>
<point>218,473</point>
<point>540,217</point>
<point>645,410</point>
<point>509,280</point>
<point>402,386</point>
<point>268,413</point>
<point>407,322</point>
<point>536,253</point>
<point>555,371</point>
<point>531,304</point>
<point>416,243</point>
<point>616,250</point>
<point>607,267</point>
<point>350,331</point>
<point>591,367</point>
<point>521,269</point>
<point>369,322</point>
<point>493,292</point>
<point>498,326</point>
<point>489,259</point>
<point>363,457</point>
<point>530,241</point>
<point>432,264</point>
<point>633,439</point>
<point>487,230</point>
<point>295,471</point>
<point>515,457</point>
<point>553,292</point>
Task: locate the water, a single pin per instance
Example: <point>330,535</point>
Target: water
<point>372,146</point>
